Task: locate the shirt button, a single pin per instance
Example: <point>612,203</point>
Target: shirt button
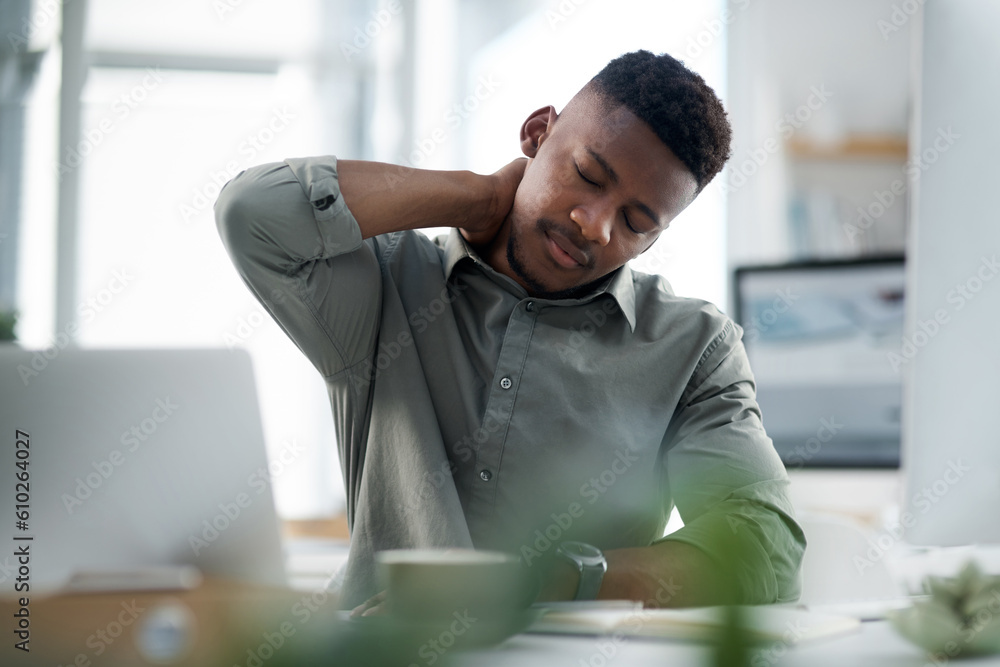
<point>485,475</point>
<point>505,383</point>
<point>530,306</point>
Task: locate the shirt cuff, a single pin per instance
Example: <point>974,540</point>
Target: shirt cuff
<point>321,185</point>
<point>731,536</point>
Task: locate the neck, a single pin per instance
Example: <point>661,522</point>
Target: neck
<point>494,253</point>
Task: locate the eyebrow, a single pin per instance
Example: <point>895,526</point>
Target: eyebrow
<point>613,177</point>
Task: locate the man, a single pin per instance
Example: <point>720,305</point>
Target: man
<point>516,386</point>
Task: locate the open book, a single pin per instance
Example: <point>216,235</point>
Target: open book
<point>789,625</point>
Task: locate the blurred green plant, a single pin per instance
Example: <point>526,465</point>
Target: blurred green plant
<point>732,646</point>
<point>733,643</point>
<point>8,320</point>
<point>961,617</point>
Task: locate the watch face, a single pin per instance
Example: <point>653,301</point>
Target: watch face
<point>591,564</point>
<point>585,554</point>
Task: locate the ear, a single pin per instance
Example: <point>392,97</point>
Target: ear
<point>536,128</point>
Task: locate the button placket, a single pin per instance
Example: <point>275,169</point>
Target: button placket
<point>500,406</point>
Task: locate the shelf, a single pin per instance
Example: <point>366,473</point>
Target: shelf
<point>882,148</point>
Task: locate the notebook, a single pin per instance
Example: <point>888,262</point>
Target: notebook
<point>785,624</point>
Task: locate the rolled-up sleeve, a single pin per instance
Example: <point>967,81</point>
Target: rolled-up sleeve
<point>728,483</point>
<point>298,248</point>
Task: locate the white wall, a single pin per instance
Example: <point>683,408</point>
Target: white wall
<point>780,53</point>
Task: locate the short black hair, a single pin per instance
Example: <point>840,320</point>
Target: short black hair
<point>683,111</point>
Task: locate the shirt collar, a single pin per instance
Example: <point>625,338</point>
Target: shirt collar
<point>618,285</point>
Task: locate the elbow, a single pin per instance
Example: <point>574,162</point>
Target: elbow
<point>770,570</point>
<point>785,555</point>
<point>788,572</point>
<point>232,208</point>
<point>246,214</point>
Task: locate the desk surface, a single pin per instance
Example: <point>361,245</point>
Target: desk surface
<point>234,617</point>
<point>876,644</point>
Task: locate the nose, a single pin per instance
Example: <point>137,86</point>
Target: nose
<point>594,222</point>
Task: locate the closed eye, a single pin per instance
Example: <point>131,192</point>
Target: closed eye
<point>597,185</point>
<point>583,176</point>
<point>629,224</point>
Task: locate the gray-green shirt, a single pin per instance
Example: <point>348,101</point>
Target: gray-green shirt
<point>470,414</point>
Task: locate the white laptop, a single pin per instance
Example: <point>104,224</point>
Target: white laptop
<point>137,461</point>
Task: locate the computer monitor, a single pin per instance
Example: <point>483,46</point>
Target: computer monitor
<point>819,336</point>
<point>951,431</point>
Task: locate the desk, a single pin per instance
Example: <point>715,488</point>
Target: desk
<point>233,622</point>
<point>876,645</point>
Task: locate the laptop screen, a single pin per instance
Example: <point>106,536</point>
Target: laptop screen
<point>136,458</point>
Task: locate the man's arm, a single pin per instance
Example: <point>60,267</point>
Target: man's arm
<point>666,574</point>
<point>314,265</point>
<point>740,542</point>
<point>295,232</point>
<point>386,198</point>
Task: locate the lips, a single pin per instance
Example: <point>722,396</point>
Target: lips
<point>564,251</point>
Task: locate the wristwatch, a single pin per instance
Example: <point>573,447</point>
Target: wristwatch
<point>589,562</point>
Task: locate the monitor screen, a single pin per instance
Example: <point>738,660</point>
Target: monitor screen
<point>821,338</point>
